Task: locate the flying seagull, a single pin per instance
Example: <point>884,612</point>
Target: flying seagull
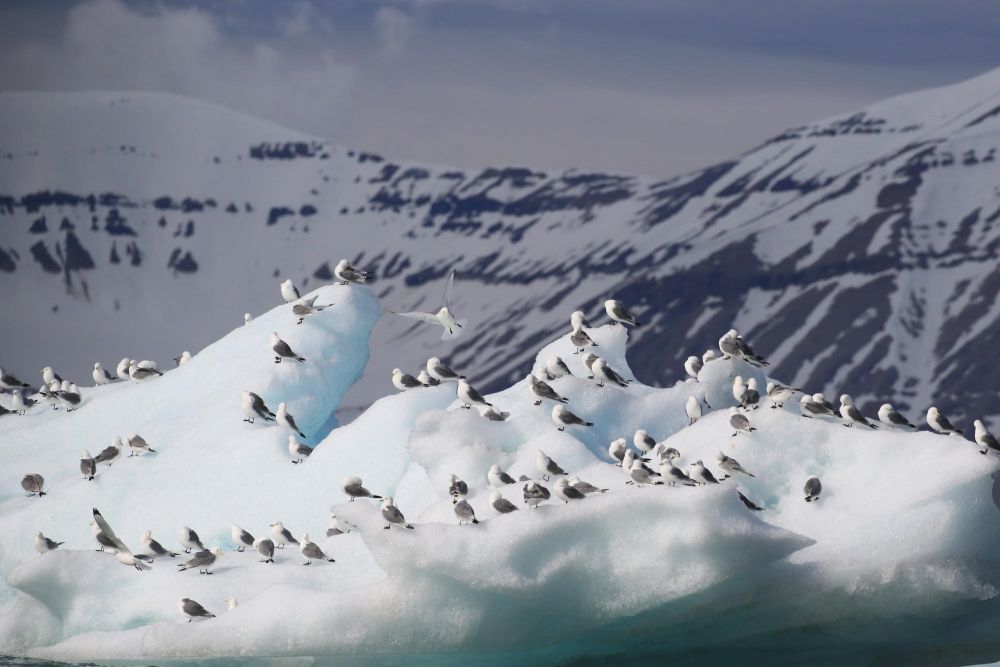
<point>443,317</point>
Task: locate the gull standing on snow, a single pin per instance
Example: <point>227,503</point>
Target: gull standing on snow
<point>586,488</point>
<point>281,535</point>
<point>253,406</point>
<point>700,473</point>
<point>44,545</point>
<point>547,466</point>
<point>152,547</point>
<point>468,395</point>
<point>338,526</point>
<point>641,475</point>
<point>675,475</point>
<point>619,314</point>
<point>604,373</point>
<point>464,512</point>
<point>751,397</point>
<point>577,321</point>
<point>739,388</point>
<point>289,292</point>
<point>443,317</point>
<point>190,540</point>
<point>247,318</point>
<point>535,494</point>
<point>265,548</point>
<point>88,466</point>
<point>733,346</point>
<point>392,515</point>
<point>812,489</point>
<point>282,350</point>
<point>440,371</point>
<point>311,551</point>
<point>202,560</point>
<point>184,357</point>
<point>102,376</point>
<point>241,538</point>
<point>739,422</point>
<point>354,488</point>
<point>692,408</point>
<point>563,418</point>
<point>890,417</point>
<point>543,390</point>
<point>984,438</point>
<point>581,341</point>
<point>940,423</point>
<point>497,477</point>
<point>692,366</point>
<point>457,489</point>
<point>33,484</point>
<point>307,307</point>
<point>138,445</point>
<point>810,408</point>
<point>617,449</point>
<point>122,369</point>
<point>403,381</point>
<point>49,376</point>
<point>193,610</point>
<point>643,441</point>
<point>851,414</point>
<point>778,393</point>
<point>19,403</point>
<point>69,396</point>
<point>491,413</point>
<point>285,418</point>
<point>501,504</point>
<point>347,274</point>
<point>298,451</point>
<point>425,379</point>
<point>731,465</point>
<point>567,492</point>
<point>556,368</point>
<point>139,373</point>
<point>8,381</point>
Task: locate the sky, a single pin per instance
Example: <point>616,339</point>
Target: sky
<point>658,87</point>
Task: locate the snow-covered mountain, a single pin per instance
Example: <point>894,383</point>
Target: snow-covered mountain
<point>857,253</point>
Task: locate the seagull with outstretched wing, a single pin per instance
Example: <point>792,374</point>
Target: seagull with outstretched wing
<point>443,317</point>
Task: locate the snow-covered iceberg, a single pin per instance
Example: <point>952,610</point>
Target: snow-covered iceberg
<point>898,559</point>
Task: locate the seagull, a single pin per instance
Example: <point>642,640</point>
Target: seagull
<point>338,526</point>
<point>49,376</point>
<point>547,466</point>
<point>692,366</point>
<point>392,515</point>
<point>577,321</point>
<point>675,475</point>
<point>827,406</point>
<point>457,489</point>
<point>851,414</point>
<point>751,397</point>
<point>247,318</point>
<point>778,393</point>
<point>110,453</point>
<point>298,451</point>
<point>619,314</point>
<point>88,466</point>
<point>253,406</point>
<point>733,346</point>
<point>202,560</point>
<point>604,373</point>
<point>33,483</point>
<point>443,317</point>
<point>468,395</point>
<point>102,538</point>
<point>810,408</point>
<point>568,492</point>
<point>543,390</point>
<point>282,350</point>
<point>491,413</point>
<point>709,355</point>
<point>563,418</point>
<point>940,423</point>
<point>8,381</point>
<point>307,307</point>
<point>190,540</point>
<point>347,274</point>
<point>700,473</point>
<point>353,487</point>
<point>643,441</point>
<point>44,545</point>
<point>126,557</point>
<point>193,610</point>
<point>101,376</point>
<point>586,488</point>
<point>739,422</point>
<point>812,489</point>
<point>289,292</point>
<point>984,438</point>
<point>403,381</point>
<point>122,369</point>
<point>464,512</point>
<point>19,402</point>
<point>670,454</point>
<point>693,409</point>
<point>425,379</point>
<point>69,396</point>
<point>184,357</point>
<point>139,373</point>
<point>890,417</point>
<point>284,418</point>
<point>241,538</point>
<point>138,445</point>
<point>581,341</point>
<point>153,547</point>
<point>281,535</point>
<point>231,603</point>
<point>265,548</point>
<point>739,388</point>
<point>441,371</point>
<point>501,504</point>
<point>311,551</point>
<point>617,449</point>
<point>556,368</point>
<point>535,494</point>
<point>642,475</point>
<point>730,464</point>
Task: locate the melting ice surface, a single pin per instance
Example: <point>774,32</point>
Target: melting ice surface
<point>898,560</point>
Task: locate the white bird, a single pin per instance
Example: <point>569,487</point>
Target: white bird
<point>288,291</point>
<point>547,466</point>
<point>241,538</point>
<point>193,610</point>
<point>285,418</point>
<point>543,390</point>
<point>443,317</point>
<point>440,371</point>
<point>586,488</point>
<point>464,512</point>
<point>110,453</point>
<point>139,373</point>
<point>617,449</point>
<point>567,492</point>
<point>619,314</point>
<point>281,535</point>
<point>813,487</point>
<point>491,413</point>
<point>851,414</point>
<point>392,515</point>
<point>298,451</point>
<point>102,376</point>
<point>202,560</point>
<point>347,274</point>
<point>49,376</point>
<point>581,340</point>
<point>889,416</point>
<point>70,396</point>
<point>642,475</point>
<point>19,403</point>
<point>469,396</point>
<point>751,397</point>
<point>403,381</point>
<point>338,526</point>
<point>556,368</point>
<point>733,346</point>
<point>457,489</point>
<point>152,547</point>
<point>692,408</point>
<point>563,418</point>
<point>739,388</point>
<point>535,494</point>
<point>731,465</point>
<point>701,474</point>
<point>425,379</point>
<point>708,356</point>
<point>739,422</point>
<point>577,321</point>
<point>984,438</point>
<point>311,551</point>
<point>497,477</point>
<point>283,350</point>
<point>122,369</point>
<point>605,374</point>
<point>44,545</point>
<point>184,357</point>
<point>643,441</point>
<point>675,475</point>
<point>778,393</point>
<point>501,504</point>
<point>354,488</point>
<point>692,366</point>
<point>138,445</point>
<point>190,540</point>
<point>808,407</point>
<point>253,406</point>
<point>940,423</point>
<point>247,318</point>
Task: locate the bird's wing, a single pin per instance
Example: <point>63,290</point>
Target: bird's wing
<point>417,315</point>
<point>446,295</point>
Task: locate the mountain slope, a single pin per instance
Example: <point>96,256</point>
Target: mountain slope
<point>857,253</point>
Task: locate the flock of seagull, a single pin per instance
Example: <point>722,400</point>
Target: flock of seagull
<point>60,393</point>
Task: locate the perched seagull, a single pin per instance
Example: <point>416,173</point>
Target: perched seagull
<point>443,317</point>
<point>581,341</point>
<point>457,489</point>
<point>588,362</point>
<point>102,376</point>
<point>347,274</point>
<point>464,512</point>
<point>547,466</point>
<point>568,492</point>
<point>253,406</point>
<point>298,451</point>
<point>851,414</point>
<point>69,396</point>
<point>826,405</point>
<point>19,402</point>
<point>285,418</point>
<point>338,526</point>
<point>44,545</point>
<point>577,321</point>
<point>675,475</point>
<point>739,388</point>
<point>193,610</point>
<point>501,504</point>
<point>586,488</point>
<point>778,393</point>
<point>307,307</point>
<point>535,494</point>
<point>670,454</point>
<point>425,379</point>
<point>282,350</point>
<point>812,489</point>
<point>984,438</point>
<point>709,355</point>
<point>102,538</point>
<point>49,376</point>
<point>289,292</point>
<point>138,445</point>
<point>8,381</point>
<point>110,453</point>
<point>265,548</point>
<point>154,548</point>
<point>700,473</point>
<point>190,540</point>
<point>692,408</point>
<point>940,423</point>
<point>281,535</point>
<point>733,346</point>
<point>353,487</point>
<point>890,417</point>
<point>441,371</point>
<point>563,418</point>
<point>619,314</point>
<point>543,390</point>
<point>241,538</point>
<point>641,475</point>
<point>617,449</point>
<point>604,373</point>
<point>311,551</point>
<point>202,560</point>
<point>692,366</point>
<point>468,395</point>
<point>231,603</point>
<point>731,465</point>
<point>247,318</point>
<point>403,381</point>
<point>751,397</point>
<point>88,466</point>
<point>739,422</point>
<point>392,515</point>
<point>126,557</point>
<point>122,369</point>
<point>810,408</point>
<point>139,373</point>
<point>556,368</point>
<point>33,484</point>
<point>491,413</point>
<point>184,357</point>
<point>643,441</point>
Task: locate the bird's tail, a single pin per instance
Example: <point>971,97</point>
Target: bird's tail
<point>475,521</point>
<point>374,496</point>
<point>588,423</point>
<point>300,359</point>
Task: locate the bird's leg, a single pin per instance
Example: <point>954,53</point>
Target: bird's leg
<point>538,402</point>
<point>307,562</point>
<point>277,360</point>
<point>188,550</point>
<point>248,420</point>
<point>561,428</point>
<point>385,527</point>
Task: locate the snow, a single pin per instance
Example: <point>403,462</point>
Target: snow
<point>905,530</point>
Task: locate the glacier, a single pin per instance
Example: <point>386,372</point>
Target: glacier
<point>897,561</point>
